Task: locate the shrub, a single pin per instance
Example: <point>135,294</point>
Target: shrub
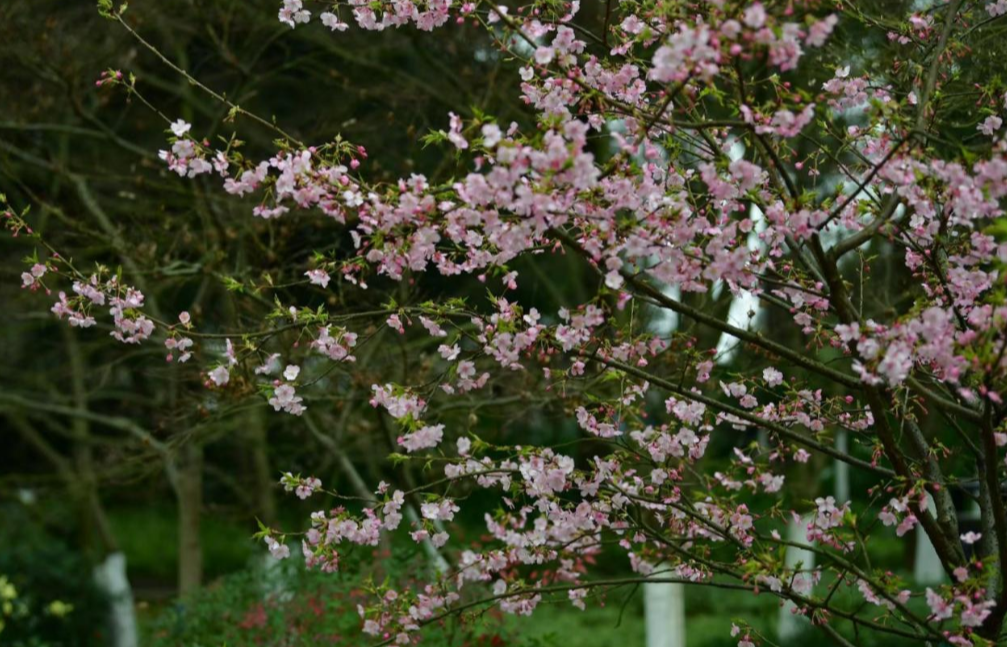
<point>49,598</point>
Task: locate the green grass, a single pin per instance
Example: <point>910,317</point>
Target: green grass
<point>149,538</point>
<point>563,625</point>
<point>709,613</point>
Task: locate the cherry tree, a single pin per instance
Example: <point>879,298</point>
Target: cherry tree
<point>676,149</point>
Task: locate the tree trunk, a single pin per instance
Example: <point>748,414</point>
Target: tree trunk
<point>189,490</point>
<point>664,608</point>
<point>110,576</point>
<point>265,480</point>
<point>110,573</point>
<point>927,567</point>
<point>791,625</point>
<point>841,469</point>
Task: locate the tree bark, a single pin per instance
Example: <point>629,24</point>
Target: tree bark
<point>189,491</point>
<point>264,479</point>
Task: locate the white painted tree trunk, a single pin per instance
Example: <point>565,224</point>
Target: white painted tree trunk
<point>790,624</point>
<point>110,577</point>
<point>927,567</point>
<point>664,606</point>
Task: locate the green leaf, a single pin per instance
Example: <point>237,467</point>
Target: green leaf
<point>434,137</point>
<point>232,285</point>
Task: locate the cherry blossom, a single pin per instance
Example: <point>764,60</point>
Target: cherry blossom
<point>220,375</point>
<point>318,277</point>
<point>277,549</point>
